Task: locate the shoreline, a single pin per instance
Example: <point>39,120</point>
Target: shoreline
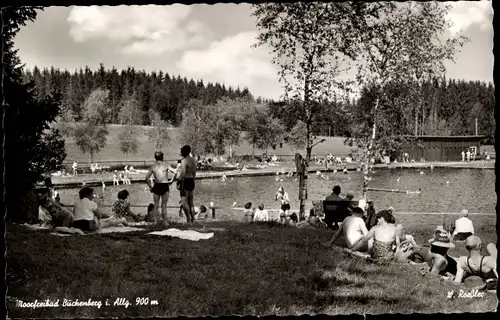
<point>97,179</point>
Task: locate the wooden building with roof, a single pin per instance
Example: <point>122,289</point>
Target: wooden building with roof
<point>440,148</point>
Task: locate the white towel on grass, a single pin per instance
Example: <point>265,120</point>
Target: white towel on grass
<point>119,229</point>
<point>37,226</point>
<point>141,223</point>
<point>184,234</point>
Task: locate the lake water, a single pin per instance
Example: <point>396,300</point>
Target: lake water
<point>443,190</point>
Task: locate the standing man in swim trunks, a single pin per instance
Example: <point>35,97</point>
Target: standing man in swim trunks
<point>161,185</point>
<point>186,176</point>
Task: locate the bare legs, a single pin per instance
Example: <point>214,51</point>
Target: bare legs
<point>164,200</point>
<point>188,206</point>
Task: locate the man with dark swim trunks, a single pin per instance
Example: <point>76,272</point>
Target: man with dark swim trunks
<point>185,183</point>
<point>161,185</point>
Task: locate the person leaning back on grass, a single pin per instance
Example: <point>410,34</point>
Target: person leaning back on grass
<point>87,216</point>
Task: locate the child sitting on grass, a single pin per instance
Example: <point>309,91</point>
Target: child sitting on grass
<point>261,214</point>
<point>152,215</point>
<point>121,208</point>
<point>200,213</point>
<point>248,213</point>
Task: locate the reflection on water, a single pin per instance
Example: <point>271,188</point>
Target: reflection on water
<point>443,190</point>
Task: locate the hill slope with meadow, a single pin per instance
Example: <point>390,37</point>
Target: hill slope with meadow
<point>146,148</point>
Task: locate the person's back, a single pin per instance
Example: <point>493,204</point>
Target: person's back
<point>261,214</point>
<point>190,167</point>
<point>160,172</point>
<point>463,224</point>
<point>354,228</point>
<point>475,264</point>
<point>84,209</point>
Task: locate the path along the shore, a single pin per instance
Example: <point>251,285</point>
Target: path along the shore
<point>107,178</point>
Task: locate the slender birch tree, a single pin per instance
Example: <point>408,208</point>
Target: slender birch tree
<point>402,42</point>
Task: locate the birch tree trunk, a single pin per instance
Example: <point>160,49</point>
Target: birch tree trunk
<point>369,156</point>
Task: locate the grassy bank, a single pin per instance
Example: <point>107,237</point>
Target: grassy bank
<point>244,270</point>
<point>145,151</point>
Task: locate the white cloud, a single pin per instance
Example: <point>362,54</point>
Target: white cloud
<point>232,61</point>
<point>463,14</point>
<point>141,30</point>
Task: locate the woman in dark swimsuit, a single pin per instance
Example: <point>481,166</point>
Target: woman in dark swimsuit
<point>477,265</point>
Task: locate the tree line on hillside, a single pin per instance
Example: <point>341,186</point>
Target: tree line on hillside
<point>158,91</point>
<point>445,106</point>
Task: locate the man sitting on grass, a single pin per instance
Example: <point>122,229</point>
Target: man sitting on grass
<point>353,228</point>
<point>86,215</point>
<point>475,264</point>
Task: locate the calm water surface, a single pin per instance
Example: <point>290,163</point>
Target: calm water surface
<point>443,190</point>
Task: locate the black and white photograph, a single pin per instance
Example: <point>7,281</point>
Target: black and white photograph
<point>248,159</point>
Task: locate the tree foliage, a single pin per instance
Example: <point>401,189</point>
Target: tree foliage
<point>130,111</point>
<point>90,135</point>
<point>159,132</point>
<point>32,149</point>
<point>406,42</point>
<point>309,45</point>
<point>128,141</point>
<point>297,135</point>
<point>210,129</point>
<point>158,91</point>
<point>263,131</point>
<point>403,41</point>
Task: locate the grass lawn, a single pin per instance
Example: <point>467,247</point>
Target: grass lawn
<point>146,149</point>
<point>244,270</point>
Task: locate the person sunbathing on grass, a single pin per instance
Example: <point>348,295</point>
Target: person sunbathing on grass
<point>436,256</point>
<point>121,208</point>
<point>52,211</point>
<point>353,228</point>
<point>87,216</point>
<point>475,264</point>
<point>384,237</point>
<point>311,221</point>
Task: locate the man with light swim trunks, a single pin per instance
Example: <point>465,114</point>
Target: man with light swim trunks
<point>161,185</point>
<point>185,183</point>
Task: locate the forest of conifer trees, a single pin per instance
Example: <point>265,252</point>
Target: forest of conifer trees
<point>435,107</point>
<point>158,91</point>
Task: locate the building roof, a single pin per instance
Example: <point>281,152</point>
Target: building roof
<point>450,137</point>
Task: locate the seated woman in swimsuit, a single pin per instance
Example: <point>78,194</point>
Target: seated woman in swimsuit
<point>384,236</point>
<point>121,208</point>
<point>478,265</point>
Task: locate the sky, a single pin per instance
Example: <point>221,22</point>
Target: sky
<point>209,42</point>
